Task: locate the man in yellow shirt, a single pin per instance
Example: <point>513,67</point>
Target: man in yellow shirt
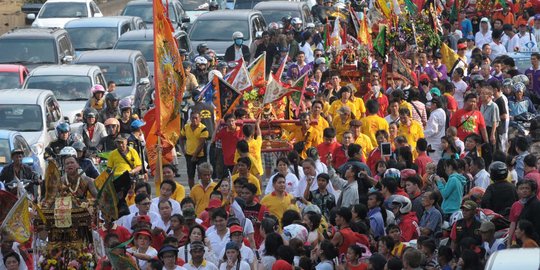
<point>200,193</point>
<point>345,94</point>
<point>373,122</point>
<point>358,103</point>
<point>243,166</point>
<point>279,200</point>
<point>342,123</point>
<point>253,137</point>
<point>411,129</point>
<point>193,138</point>
<point>316,114</point>
<point>303,133</point>
<point>361,138</point>
<point>124,158</point>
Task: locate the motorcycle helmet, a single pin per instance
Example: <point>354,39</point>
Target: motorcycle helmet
<point>124,103</point>
<point>136,124</point>
<point>68,151</point>
<point>237,35</point>
<point>519,87</point>
<point>62,128</point>
<point>404,203</point>
<point>521,78</point>
<point>79,146</point>
<point>111,121</point>
<point>273,26</point>
<point>213,6</point>
<point>110,98</point>
<point>286,19</point>
<point>498,171</point>
<point>296,23</point>
<point>89,113</point>
<point>201,48</point>
<point>97,88</point>
<point>201,60</point>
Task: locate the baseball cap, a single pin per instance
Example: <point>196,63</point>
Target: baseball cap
<point>281,265</point>
<point>469,205</point>
<point>214,203</point>
<point>17,151</point>
<point>462,46</point>
<point>435,91</point>
<point>143,232</point>
<point>233,221</point>
<point>143,218</point>
<point>235,228</point>
<point>487,226</point>
<point>406,173</point>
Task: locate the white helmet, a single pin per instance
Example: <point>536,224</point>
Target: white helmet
<point>68,151</point>
<point>237,34</point>
<point>200,60</point>
<point>273,26</point>
<point>213,73</point>
<point>521,78</point>
<point>296,20</point>
<point>405,205</point>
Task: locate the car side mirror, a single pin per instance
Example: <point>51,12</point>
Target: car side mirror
<point>31,16</point>
<point>186,19</point>
<point>144,81</point>
<point>67,59</point>
<point>29,161</point>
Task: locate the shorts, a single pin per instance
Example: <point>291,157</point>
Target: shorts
<point>192,166</point>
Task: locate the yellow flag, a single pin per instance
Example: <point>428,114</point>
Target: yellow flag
<point>17,223</point>
<point>384,8</point>
<point>449,57</point>
<point>257,71</point>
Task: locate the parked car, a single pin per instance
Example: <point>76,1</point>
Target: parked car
<point>143,40</point>
<point>56,13</point>
<point>11,140</point>
<point>33,47</point>
<point>34,113</point>
<point>518,258</point>
<point>216,28</point>
<point>70,84</point>
<point>127,68</point>
<point>273,11</point>
<point>98,33</point>
<point>143,9</point>
<point>12,76</point>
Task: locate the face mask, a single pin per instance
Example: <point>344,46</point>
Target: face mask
<point>238,42</point>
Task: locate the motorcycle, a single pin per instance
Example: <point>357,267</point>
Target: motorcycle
<point>520,124</point>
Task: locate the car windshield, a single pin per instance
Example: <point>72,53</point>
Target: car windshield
<point>27,51</point>
<point>191,5</point>
<point>120,73</point>
<point>145,12</point>
<point>273,15</point>
<point>218,30</point>
<point>5,153</point>
<point>63,10</point>
<point>9,80</point>
<point>21,117</point>
<point>145,47</point>
<point>64,87</point>
<point>243,4</point>
<point>93,38</point>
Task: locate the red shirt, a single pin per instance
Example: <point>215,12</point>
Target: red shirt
<point>451,103</point>
<point>373,158</point>
<point>349,238</point>
<point>361,266</point>
<point>339,156</point>
<point>121,231</point>
<point>228,144</point>
<point>325,148</point>
<point>467,122</point>
<point>515,211</point>
<point>421,161</point>
<point>535,176</point>
<point>409,227</point>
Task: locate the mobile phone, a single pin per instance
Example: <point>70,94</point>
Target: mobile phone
<point>386,149</point>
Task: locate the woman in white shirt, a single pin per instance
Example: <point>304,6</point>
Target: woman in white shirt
<point>197,233</point>
<point>232,260</point>
<point>291,181</point>
<point>142,251</point>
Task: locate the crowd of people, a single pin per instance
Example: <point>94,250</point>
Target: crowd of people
<point>431,172</point>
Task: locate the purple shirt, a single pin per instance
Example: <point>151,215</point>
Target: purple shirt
<point>427,70</point>
<point>443,70</point>
<point>534,79</point>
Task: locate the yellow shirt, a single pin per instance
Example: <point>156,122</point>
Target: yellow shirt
<point>201,196</point>
<point>255,146</point>
<point>341,127</point>
<point>326,108</point>
<point>193,137</point>
<point>360,107</point>
<point>364,141</point>
<point>371,124</point>
<point>413,132</point>
<point>117,162</point>
<point>179,193</point>
<point>405,104</point>
<point>278,205</point>
<point>311,137</point>
<point>321,125</point>
<point>334,107</point>
<point>251,179</point>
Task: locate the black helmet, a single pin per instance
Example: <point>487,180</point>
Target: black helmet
<point>79,146</point>
<point>111,97</point>
<point>213,6</point>
<point>286,19</point>
<point>89,113</point>
<point>498,171</point>
<point>200,47</point>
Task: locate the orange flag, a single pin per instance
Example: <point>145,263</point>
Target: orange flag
<point>363,32</point>
<point>257,71</point>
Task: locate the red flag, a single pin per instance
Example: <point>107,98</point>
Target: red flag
<point>279,72</point>
<point>7,201</point>
<point>151,141</point>
<point>239,77</point>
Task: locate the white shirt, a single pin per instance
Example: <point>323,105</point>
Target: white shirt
<point>496,49</point>
<point>435,128</point>
<point>320,167</point>
<point>208,266</point>
<point>481,179</point>
<point>175,206</point>
<point>527,43</point>
<point>152,252</point>
<point>15,248</point>
<point>126,220</point>
<point>300,171</point>
<point>246,253</point>
<point>481,39</point>
<point>243,266</point>
<point>490,250</point>
<point>461,87</point>
<point>291,184</point>
<point>161,224</point>
<point>512,43</point>
<point>248,227</point>
<point>209,256</point>
<point>308,52</point>
<point>218,244</point>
